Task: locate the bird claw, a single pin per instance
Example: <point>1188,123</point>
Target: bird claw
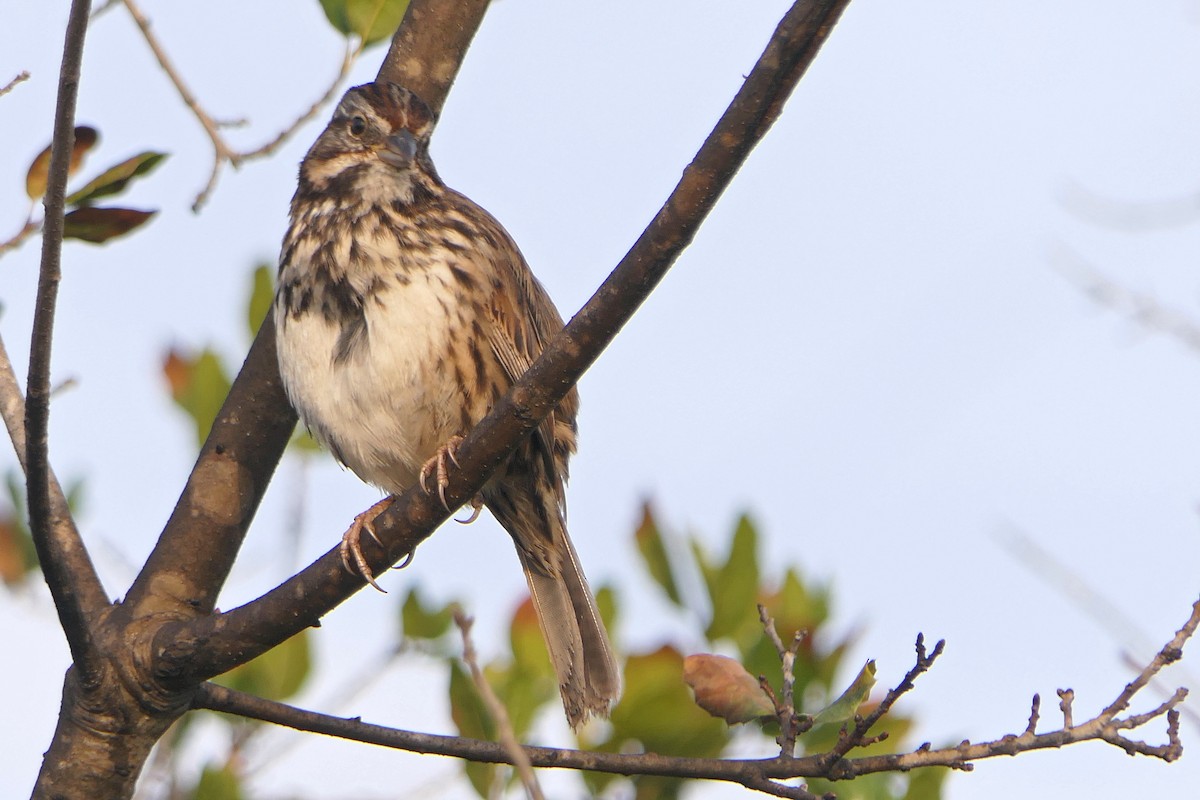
<point>476,509</point>
<point>351,547</point>
<point>437,465</point>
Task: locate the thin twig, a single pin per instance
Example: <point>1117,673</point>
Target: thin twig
<point>785,705</point>
<point>12,408</point>
<point>349,57</point>
<point>1171,652</point>
<point>103,7</point>
<point>1142,309</point>
<point>1066,701</point>
<point>28,229</point>
<point>223,152</point>
<point>504,728</point>
<point>857,736</point>
<point>1060,576</point>
<point>69,573</point>
<point>22,76</point>
<point>1034,711</point>
<point>763,775</point>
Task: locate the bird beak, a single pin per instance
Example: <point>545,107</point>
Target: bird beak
<point>399,150</point>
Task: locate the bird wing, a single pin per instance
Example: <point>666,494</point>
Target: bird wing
<point>523,319</point>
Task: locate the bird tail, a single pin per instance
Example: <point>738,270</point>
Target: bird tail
<point>588,676</point>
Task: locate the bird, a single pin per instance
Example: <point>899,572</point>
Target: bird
<point>404,311</point>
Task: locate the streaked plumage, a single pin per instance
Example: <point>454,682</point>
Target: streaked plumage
<point>404,311</point>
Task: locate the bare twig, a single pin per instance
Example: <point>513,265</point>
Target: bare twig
<point>1066,700</point>
<point>21,77</point>
<point>107,5</point>
<point>1134,642</point>
<point>223,152</point>
<point>1142,309</point>
<point>28,229</point>
<point>1171,652</point>
<point>785,706</point>
<point>1034,711</point>
<point>350,56</point>
<point>1130,216</point>
<point>12,408</point>
<point>69,573</point>
<point>857,737</point>
<point>762,775</point>
<point>504,728</point>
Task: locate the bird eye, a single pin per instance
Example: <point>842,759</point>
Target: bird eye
<point>357,126</point>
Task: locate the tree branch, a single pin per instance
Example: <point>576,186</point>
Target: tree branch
<point>12,409</point>
<point>759,774</point>
<point>427,51</point>
<point>211,645</point>
<point>68,570</point>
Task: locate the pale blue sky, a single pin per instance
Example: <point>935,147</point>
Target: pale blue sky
<point>870,344</point>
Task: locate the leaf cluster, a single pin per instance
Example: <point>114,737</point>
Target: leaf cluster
<point>85,220</point>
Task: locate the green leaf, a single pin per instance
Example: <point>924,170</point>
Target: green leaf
<point>657,709</point>
<point>733,588</point>
<point>218,783</point>
<point>606,604</point>
<point>98,225</point>
<point>369,20</point>
<point>198,385</point>
<point>470,716</point>
<point>303,441</point>
<point>39,169</point>
<point>926,783</point>
<point>262,294</point>
<point>420,622</point>
<point>653,549</point>
<point>797,606</point>
<point>114,179</point>
<point>846,706</point>
<point>528,646</point>
<point>277,674</point>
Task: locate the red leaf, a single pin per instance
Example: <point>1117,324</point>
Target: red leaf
<point>98,225</point>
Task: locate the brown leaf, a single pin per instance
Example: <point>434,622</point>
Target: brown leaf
<point>98,225</point>
<point>35,179</point>
<point>178,371</point>
<point>12,560</point>
<point>724,689</point>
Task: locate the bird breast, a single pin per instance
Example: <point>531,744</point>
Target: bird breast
<point>375,381</point>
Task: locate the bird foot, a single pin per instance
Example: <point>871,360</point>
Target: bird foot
<point>437,465</point>
<point>351,547</point>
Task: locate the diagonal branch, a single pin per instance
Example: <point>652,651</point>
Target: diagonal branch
<point>12,409</point>
<point>69,573</point>
<point>200,541</point>
<point>211,645</point>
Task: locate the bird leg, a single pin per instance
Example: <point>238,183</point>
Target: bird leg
<point>437,464</point>
<point>351,547</point>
